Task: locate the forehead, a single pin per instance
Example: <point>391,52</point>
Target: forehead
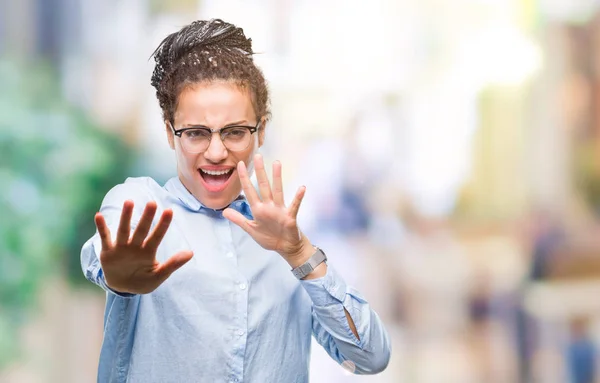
<point>214,104</point>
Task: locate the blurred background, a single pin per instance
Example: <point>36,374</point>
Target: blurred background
<point>450,149</point>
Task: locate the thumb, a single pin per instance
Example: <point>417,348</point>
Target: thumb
<point>172,264</point>
<point>237,218</point>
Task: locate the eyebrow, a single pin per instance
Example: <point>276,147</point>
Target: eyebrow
<point>241,122</point>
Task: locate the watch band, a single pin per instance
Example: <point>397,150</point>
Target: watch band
<point>315,260</point>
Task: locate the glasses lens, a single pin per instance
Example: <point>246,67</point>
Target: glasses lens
<point>236,138</point>
<point>195,140</point>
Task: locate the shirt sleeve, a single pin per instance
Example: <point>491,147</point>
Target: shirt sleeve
<point>111,208</point>
<point>330,296</point>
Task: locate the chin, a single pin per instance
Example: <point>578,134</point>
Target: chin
<point>216,201</point>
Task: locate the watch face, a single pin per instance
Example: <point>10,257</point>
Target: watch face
<point>318,257</point>
<point>306,269</point>
<point>315,260</point>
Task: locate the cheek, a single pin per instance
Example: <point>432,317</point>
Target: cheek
<point>249,158</point>
<point>184,159</point>
<point>248,155</point>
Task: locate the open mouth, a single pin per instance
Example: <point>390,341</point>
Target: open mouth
<point>215,180</point>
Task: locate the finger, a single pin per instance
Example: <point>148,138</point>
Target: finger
<point>172,264</point>
<point>237,218</point>
<point>247,184</point>
<point>160,230</point>
<point>125,223</point>
<point>277,184</point>
<point>263,180</point>
<point>143,227</point>
<point>295,206</point>
<point>103,231</point>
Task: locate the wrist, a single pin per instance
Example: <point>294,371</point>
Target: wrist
<point>318,272</point>
<point>299,255</point>
<point>312,267</point>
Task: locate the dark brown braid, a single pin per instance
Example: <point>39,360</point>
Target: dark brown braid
<point>207,51</point>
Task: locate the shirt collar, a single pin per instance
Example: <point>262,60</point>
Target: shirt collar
<point>175,187</point>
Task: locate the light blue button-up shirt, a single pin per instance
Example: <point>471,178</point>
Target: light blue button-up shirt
<point>233,313</point>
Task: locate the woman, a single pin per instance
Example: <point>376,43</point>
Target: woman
<point>204,292</point>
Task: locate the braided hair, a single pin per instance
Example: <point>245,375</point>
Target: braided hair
<point>207,50</point>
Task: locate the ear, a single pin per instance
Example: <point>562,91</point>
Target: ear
<point>170,135</point>
<point>261,132</point>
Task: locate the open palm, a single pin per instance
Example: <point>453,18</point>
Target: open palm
<point>274,226</point>
<point>129,263</point>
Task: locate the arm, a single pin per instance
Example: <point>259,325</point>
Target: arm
<point>346,326</point>
<point>319,272</point>
<point>343,322</point>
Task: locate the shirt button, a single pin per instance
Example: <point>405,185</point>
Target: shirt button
<point>240,332</point>
<point>243,286</point>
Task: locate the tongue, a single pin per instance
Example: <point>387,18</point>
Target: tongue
<point>216,180</point>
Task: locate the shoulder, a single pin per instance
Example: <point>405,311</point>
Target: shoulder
<point>140,190</point>
<point>137,189</point>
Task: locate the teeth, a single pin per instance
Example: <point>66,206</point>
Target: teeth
<point>216,172</point>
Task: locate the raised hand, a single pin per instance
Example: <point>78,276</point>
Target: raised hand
<point>274,226</point>
<point>129,263</point>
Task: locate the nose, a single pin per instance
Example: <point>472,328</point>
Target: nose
<point>216,151</point>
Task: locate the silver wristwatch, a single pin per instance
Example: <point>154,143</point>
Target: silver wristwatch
<point>315,260</point>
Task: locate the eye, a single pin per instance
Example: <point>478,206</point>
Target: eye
<point>234,132</point>
<point>196,134</point>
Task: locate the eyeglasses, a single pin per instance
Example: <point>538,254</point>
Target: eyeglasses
<point>196,139</point>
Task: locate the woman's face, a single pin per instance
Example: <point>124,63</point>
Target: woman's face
<point>214,105</point>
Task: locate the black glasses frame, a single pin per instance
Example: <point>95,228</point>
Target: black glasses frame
<point>179,132</point>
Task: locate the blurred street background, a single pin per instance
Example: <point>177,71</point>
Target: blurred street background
<point>450,149</point>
